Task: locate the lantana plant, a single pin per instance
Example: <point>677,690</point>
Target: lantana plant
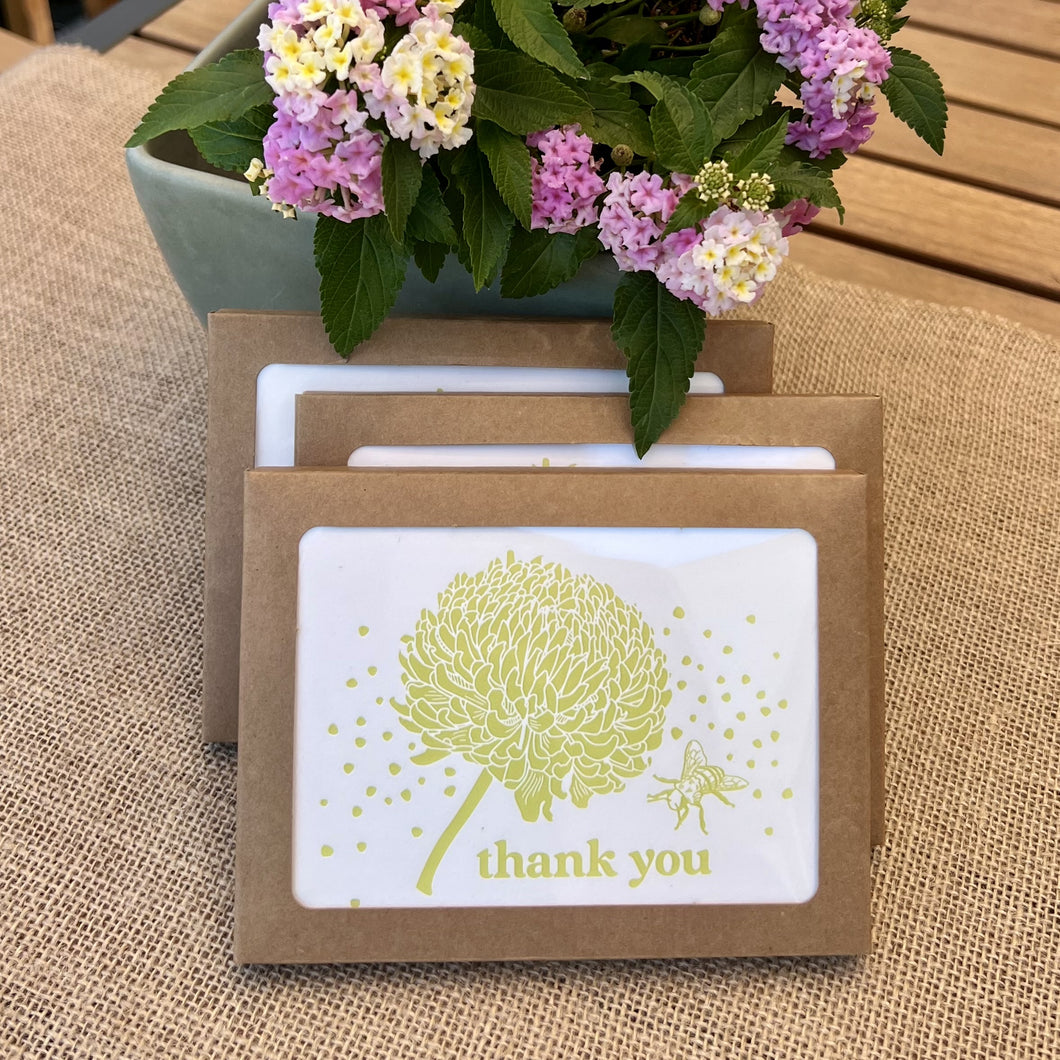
<point>689,139</point>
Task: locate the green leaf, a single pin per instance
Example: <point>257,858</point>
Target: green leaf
<point>682,130</point>
<point>402,177</point>
<point>429,258</point>
<point>731,146</point>
<point>487,222</point>
<point>537,261</point>
<point>689,212</point>
<point>232,145</point>
<point>915,95</point>
<point>534,28</point>
<point>430,220</point>
<point>661,336</point>
<point>483,18</point>
<point>790,155</point>
<point>759,154</point>
<point>611,116</point>
<point>633,58</point>
<point>221,91</point>
<point>680,68</point>
<point>805,181</point>
<point>509,160</point>
<point>520,95</point>
<point>361,270</point>
<point>477,38</point>
<point>453,198</point>
<point>737,79</point>
<point>631,29</point>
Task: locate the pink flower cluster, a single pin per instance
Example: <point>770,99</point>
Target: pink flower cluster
<point>327,62</point>
<point>841,63</point>
<point>724,261</point>
<point>564,180</point>
<point>718,264</point>
<point>634,215</point>
<point>330,153</point>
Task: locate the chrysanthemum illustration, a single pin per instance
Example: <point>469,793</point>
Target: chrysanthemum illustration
<point>545,679</point>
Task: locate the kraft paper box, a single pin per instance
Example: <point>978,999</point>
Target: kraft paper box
<point>331,426</point>
<point>507,714</point>
<point>246,345</point>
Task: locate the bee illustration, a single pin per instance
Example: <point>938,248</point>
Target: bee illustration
<point>698,778</point>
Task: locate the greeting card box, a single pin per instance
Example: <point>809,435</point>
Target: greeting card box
<point>501,714</point>
<point>258,362</point>
<point>769,431</point>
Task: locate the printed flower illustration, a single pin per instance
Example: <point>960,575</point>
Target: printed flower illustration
<point>544,678</point>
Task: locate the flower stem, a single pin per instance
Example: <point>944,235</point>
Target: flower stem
<point>674,19</point>
<point>467,808</point>
<point>683,47</point>
<point>612,13</point>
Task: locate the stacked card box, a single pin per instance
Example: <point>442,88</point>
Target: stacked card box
<point>503,691</point>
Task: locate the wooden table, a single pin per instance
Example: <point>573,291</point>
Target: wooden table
<point>978,227</point>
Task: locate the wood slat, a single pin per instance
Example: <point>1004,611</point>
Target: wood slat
<point>31,19</point>
<point>163,59</point>
<point>1006,154</point>
<point>844,261</point>
<point>983,75</point>
<point>13,48</point>
<point>192,24</point>
<point>940,222</point>
<point>1029,25</point>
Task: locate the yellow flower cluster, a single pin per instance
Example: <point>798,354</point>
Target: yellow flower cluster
<point>425,90</point>
<point>338,35</point>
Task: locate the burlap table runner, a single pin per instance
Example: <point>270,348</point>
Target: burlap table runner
<point>116,824</point>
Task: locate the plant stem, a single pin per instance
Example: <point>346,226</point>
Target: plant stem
<point>682,47</point>
<point>673,19</point>
<point>621,9</point>
<point>467,808</point>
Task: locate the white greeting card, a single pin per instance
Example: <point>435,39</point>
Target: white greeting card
<point>555,716</point>
<point>279,384</point>
<point>662,455</point>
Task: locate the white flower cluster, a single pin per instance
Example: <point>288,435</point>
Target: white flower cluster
<point>337,36</point>
<point>424,90</point>
<point>726,263</point>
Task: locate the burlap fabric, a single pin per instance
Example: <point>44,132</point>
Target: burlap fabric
<point>117,824</point>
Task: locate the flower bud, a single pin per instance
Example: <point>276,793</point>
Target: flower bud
<point>877,16</point>
<point>708,16</point>
<point>713,182</point>
<point>622,155</point>
<point>755,192</point>
<point>574,20</point>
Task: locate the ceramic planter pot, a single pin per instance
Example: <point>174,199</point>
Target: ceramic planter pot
<point>229,250</point>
